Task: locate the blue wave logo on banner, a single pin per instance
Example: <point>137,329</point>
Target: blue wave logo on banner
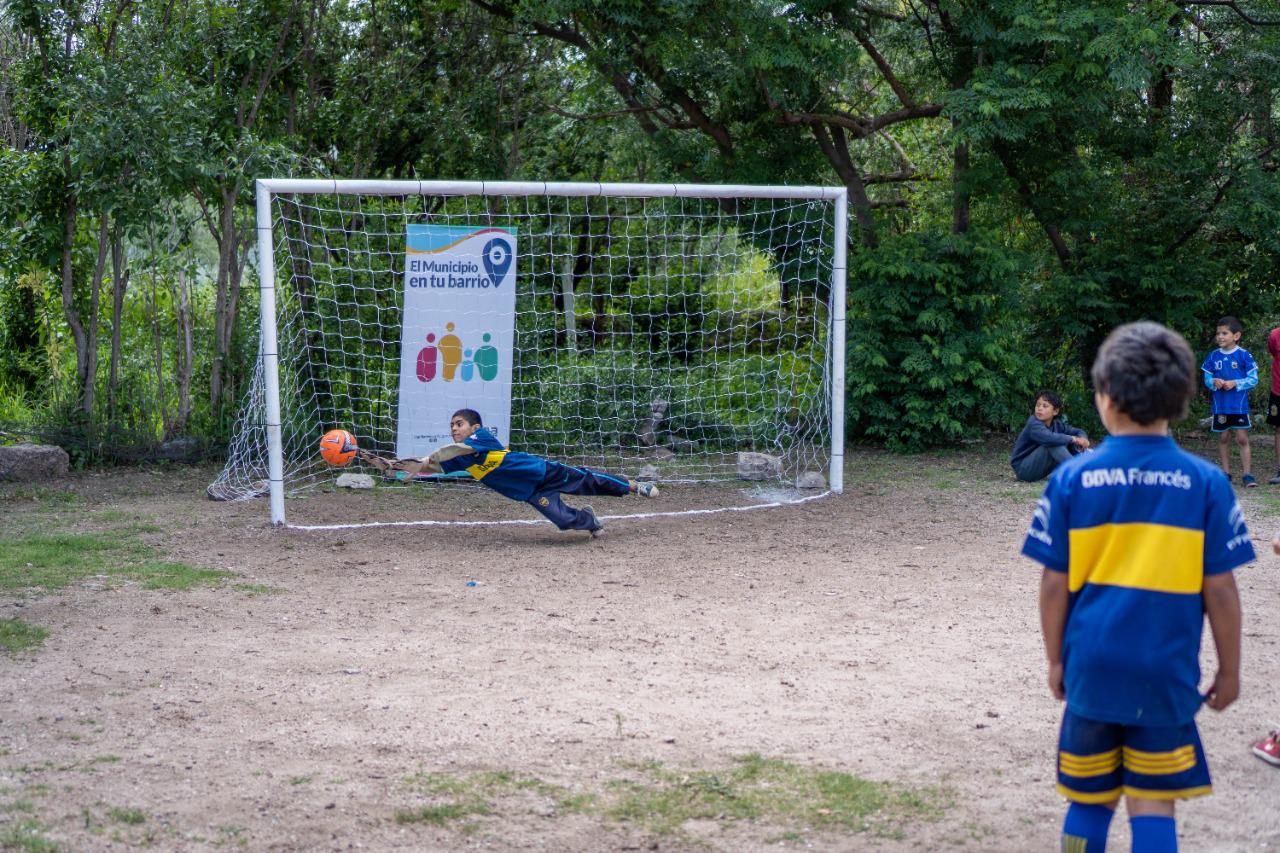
<point>497,259</point>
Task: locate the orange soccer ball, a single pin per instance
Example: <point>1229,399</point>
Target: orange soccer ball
<point>338,447</point>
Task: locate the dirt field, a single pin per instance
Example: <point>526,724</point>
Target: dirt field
<point>343,683</point>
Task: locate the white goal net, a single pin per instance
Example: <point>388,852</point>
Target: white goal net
<point>671,328</point>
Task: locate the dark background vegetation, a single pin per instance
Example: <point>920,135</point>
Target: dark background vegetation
<point>1023,174</point>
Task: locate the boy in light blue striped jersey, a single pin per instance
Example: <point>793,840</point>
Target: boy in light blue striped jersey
<point>1229,372</point>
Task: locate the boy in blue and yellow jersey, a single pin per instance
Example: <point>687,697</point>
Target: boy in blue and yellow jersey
<point>1229,372</point>
<point>1138,541</point>
<point>520,476</point>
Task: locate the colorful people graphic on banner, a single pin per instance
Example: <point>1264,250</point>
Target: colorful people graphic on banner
<point>427,358</point>
<point>450,353</point>
<point>487,360</point>
<point>456,361</point>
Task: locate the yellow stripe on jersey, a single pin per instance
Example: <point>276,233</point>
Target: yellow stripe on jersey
<point>491,461</point>
<point>1155,557</point>
<point>1160,763</point>
<point>1084,766</point>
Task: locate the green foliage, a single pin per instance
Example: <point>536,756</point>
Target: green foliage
<point>1125,155</point>
<point>933,341</point>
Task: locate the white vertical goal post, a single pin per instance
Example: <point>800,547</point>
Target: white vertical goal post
<point>665,327</point>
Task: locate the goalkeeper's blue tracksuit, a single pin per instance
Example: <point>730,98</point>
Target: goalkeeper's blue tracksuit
<point>536,481</point>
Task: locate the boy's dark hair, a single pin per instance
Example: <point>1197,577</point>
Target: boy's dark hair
<point>1050,397</point>
<point>1233,325</point>
<point>471,416</point>
<point>1147,370</point>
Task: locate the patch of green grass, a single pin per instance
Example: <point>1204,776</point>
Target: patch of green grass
<point>256,589</point>
<point>17,636</point>
<point>474,793</point>
<point>789,797</point>
<point>300,780</point>
<point>27,835</point>
<point>44,497</point>
<point>944,480</point>
<point>105,759</point>
<point>177,576</point>
<point>129,816</point>
<point>475,785</point>
<point>114,516</point>
<point>53,561</point>
<point>774,792</point>
<point>439,815</point>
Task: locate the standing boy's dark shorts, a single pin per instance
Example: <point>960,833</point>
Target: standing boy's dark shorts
<point>1222,423</point>
<point>1273,410</point>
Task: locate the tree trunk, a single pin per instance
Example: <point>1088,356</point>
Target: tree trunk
<point>835,147</point>
<point>184,357</point>
<point>158,359</point>
<point>68,290</point>
<point>91,327</point>
<point>230,273</point>
<point>119,284</point>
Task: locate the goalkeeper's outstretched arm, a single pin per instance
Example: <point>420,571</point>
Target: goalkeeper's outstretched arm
<point>404,468</point>
<point>400,468</point>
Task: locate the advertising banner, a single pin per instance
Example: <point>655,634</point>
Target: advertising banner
<point>457,334</point>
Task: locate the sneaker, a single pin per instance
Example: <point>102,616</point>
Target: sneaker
<point>1249,481</point>
<point>1275,481</point>
<point>647,490</point>
<point>596,524</point>
<point>1268,749</point>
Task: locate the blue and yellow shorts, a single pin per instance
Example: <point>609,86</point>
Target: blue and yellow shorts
<point>1097,762</point>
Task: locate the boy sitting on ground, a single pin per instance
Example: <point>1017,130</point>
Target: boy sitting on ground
<point>1046,441</point>
<point>520,476</point>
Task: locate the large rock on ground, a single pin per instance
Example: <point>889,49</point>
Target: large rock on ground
<point>32,463</point>
<point>355,481</point>
<point>759,466</point>
<point>179,450</point>
<point>649,474</point>
<point>811,480</point>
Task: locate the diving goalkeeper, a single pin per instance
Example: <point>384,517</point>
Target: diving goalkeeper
<point>520,476</point>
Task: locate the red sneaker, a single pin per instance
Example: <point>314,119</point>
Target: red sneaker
<point>1268,749</point>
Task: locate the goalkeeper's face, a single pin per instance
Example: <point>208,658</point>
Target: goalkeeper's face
<point>460,429</point>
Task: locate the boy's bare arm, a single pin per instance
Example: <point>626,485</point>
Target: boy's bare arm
<point>407,467</point>
<point>452,451</point>
<point>1222,605</point>
<point>1053,621</point>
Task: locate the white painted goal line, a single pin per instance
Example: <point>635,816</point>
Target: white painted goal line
<point>526,521</point>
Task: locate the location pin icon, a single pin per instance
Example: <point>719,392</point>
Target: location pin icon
<point>497,259</point>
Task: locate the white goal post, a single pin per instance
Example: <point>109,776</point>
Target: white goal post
<point>672,327</point>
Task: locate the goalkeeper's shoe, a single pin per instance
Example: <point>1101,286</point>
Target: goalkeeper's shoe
<point>647,490</point>
<point>596,524</point>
